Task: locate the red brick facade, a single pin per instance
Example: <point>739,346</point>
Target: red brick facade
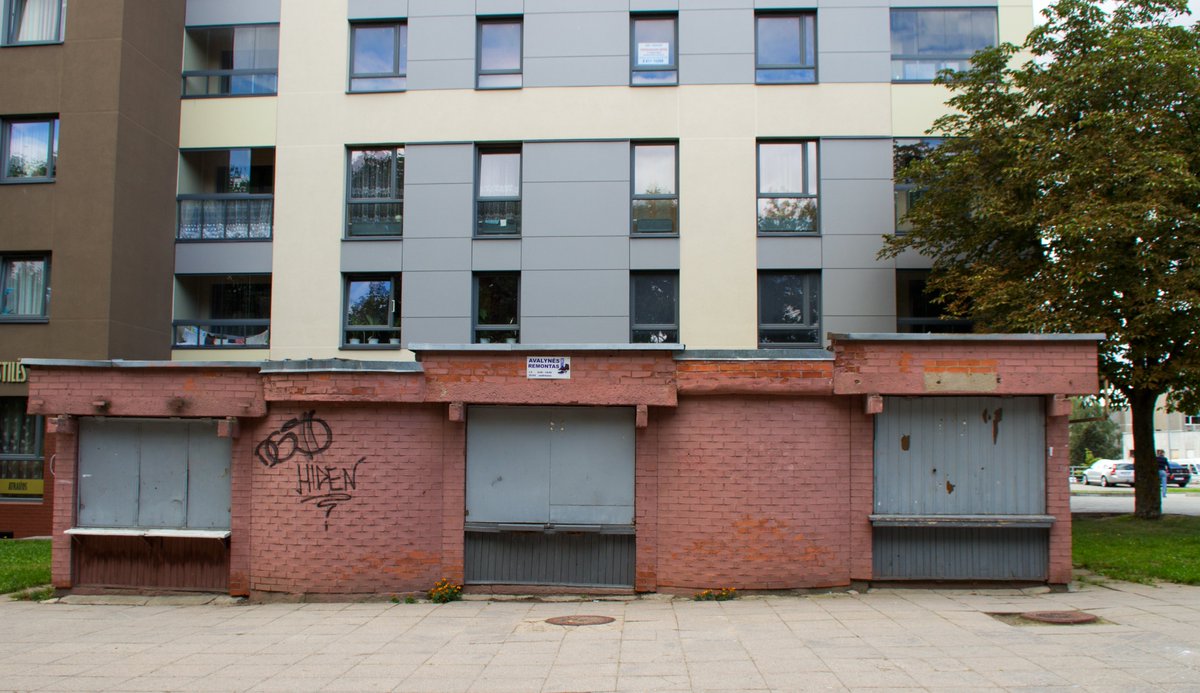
<point>752,473</point>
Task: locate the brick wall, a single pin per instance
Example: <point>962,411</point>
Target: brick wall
<point>168,391</point>
<point>1058,497</point>
<point>361,514</point>
<point>961,368</point>
<point>67,447</point>
<point>345,387</point>
<point>755,377</point>
<point>753,493</point>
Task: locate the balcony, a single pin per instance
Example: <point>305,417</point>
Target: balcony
<point>222,334</point>
<point>225,217</point>
<point>224,311</point>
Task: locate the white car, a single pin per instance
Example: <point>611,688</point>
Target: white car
<point>1109,473</point>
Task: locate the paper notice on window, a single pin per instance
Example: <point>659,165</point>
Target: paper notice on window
<point>657,53</point>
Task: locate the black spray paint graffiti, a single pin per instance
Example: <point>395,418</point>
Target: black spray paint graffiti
<point>325,486</point>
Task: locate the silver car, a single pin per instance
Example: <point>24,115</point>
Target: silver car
<point>1109,473</point>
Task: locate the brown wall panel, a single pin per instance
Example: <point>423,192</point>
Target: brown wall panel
<point>152,563</point>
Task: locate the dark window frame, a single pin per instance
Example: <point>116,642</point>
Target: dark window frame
<point>911,299</point>
<point>399,57</point>
<point>480,72</point>
<point>481,229</point>
<point>760,67</point>
<point>13,463</point>
<point>392,330</point>
<point>672,67</point>
<point>6,123</point>
<point>481,330</point>
<point>941,57</point>
<point>396,185</point>
<point>44,315</point>
<point>809,176</point>
<point>11,10</point>
<point>812,280</point>
<point>904,188</point>
<point>635,196</point>
<point>635,327</point>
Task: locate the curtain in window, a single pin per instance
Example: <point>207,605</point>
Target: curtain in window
<point>24,288</point>
<point>500,175</point>
<point>37,20</point>
<point>18,432</point>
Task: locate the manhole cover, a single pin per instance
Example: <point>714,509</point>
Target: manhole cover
<point>1067,618</point>
<point>579,620</point>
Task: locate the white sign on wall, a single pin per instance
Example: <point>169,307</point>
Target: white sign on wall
<point>656,53</point>
<point>548,367</point>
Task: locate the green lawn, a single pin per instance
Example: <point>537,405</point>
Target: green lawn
<point>23,564</point>
<point>1126,548</point>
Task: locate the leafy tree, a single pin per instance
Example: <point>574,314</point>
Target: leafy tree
<point>1093,434</point>
<point>1067,199</point>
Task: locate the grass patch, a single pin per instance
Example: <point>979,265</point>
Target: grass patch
<point>1123,547</point>
<point>23,564</point>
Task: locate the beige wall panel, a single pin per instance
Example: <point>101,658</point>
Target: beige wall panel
<point>239,355</point>
<point>823,110</point>
<point>221,123</point>
<point>916,106</point>
<point>303,68</point>
<point>1015,20</point>
<point>717,251</point>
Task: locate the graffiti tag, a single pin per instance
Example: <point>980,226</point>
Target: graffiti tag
<point>324,485</point>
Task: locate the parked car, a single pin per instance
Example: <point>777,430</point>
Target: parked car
<point>1179,475</point>
<point>1109,473</point>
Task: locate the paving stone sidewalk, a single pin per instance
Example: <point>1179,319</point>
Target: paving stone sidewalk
<point>884,640</point>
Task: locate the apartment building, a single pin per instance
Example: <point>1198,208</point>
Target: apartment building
<point>580,294</point>
<point>89,125</point>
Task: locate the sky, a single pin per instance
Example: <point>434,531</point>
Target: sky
<point>1193,6</point>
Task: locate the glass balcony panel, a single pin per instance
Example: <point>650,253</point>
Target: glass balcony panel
<point>225,217</point>
<point>222,334</point>
<point>787,214</point>
<point>655,216</point>
<point>499,217</point>
<point>376,219</point>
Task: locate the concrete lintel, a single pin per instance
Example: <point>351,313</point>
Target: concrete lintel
<point>945,337</point>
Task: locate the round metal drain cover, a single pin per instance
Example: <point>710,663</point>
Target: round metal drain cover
<point>1066,618</point>
<point>579,620</point>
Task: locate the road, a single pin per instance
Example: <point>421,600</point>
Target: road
<point>1094,499</point>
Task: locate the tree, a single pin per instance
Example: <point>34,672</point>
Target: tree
<point>1093,434</point>
<point>1067,199</point>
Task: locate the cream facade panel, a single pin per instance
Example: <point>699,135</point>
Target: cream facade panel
<point>916,107</point>
<point>223,123</point>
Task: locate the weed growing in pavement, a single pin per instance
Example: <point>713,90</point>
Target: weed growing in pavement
<point>38,594</point>
<point>719,595</point>
<point>445,591</point>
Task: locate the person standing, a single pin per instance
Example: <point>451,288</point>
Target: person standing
<point>1164,470</point>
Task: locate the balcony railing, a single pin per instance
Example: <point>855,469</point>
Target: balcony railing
<point>225,217</point>
<point>222,334</point>
<point>243,82</point>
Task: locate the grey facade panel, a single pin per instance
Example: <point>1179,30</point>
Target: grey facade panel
<point>855,159</point>
<point>577,34</point>
<point>539,6</point>
<point>577,72</point>
<point>441,51</point>
<point>436,295</point>
<point>440,8</point>
<point>848,251</point>
<point>556,162</point>
<point>372,256</point>
<point>715,32</point>
<point>589,330</point>
<point>865,292</point>
<point>854,29</point>
<point>575,253</point>
<point>242,257</point>
<point>217,12</point>
<point>508,465</point>
<point>864,206</point>
<point>108,473</point>
<point>843,324</point>
<point>435,330</point>
<point>576,209</point>
<point>499,7</point>
<point>653,5</point>
<point>437,254</point>
<point>960,456</point>
<point>163,475</point>
<point>789,252</point>
<point>854,67</point>
<point>440,74</point>
<point>581,293</point>
<point>653,253</point>
<point>960,553</point>
<point>441,163</point>
<point>496,254</point>
<point>716,69</point>
<point>527,558</point>
<point>209,459</point>
<point>718,4</point>
<point>377,9</point>
<point>439,211</point>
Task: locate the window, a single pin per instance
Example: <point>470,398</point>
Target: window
<point>654,307</point>
<point>33,21</point>
<point>654,57</point>
<point>378,57</point>
<point>230,311</point>
<point>372,314</point>
<point>785,48</point>
<point>375,204</point>
<point>226,194</point>
<point>787,187</point>
<point>904,152</point>
<point>916,310</point>
<point>24,288</point>
<point>1192,420</point>
<point>498,202</point>
<point>29,149</point>
<point>789,309</point>
<point>655,191</point>
<point>21,470</point>
<point>926,41</point>
<point>499,52</point>
<point>497,307</point>
<point>231,61</point>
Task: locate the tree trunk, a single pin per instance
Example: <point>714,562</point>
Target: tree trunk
<point>1147,502</point>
